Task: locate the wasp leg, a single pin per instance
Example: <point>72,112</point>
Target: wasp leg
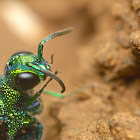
<point>36,107</point>
<point>26,133</point>
<point>1,120</point>
<point>32,131</point>
<point>39,128</point>
<point>3,130</point>
<point>59,95</point>
<point>39,131</point>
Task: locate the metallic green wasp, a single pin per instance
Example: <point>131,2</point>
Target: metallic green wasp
<point>23,72</point>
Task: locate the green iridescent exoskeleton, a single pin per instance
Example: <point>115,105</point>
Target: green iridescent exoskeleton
<point>22,73</point>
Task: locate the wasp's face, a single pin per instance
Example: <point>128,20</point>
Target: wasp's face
<point>20,75</point>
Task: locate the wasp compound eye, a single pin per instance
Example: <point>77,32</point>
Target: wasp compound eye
<point>26,80</point>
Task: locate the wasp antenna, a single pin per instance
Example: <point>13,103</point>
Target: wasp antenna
<point>59,33</point>
<point>56,34</point>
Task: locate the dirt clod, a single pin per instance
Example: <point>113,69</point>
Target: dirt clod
<point>125,126</point>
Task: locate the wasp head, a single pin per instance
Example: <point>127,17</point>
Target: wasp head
<point>24,70</point>
<point>22,76</point>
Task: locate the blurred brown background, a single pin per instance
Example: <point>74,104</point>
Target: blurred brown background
<point>103,51</point>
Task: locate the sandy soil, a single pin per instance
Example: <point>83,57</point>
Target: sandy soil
<point>104,52</point>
